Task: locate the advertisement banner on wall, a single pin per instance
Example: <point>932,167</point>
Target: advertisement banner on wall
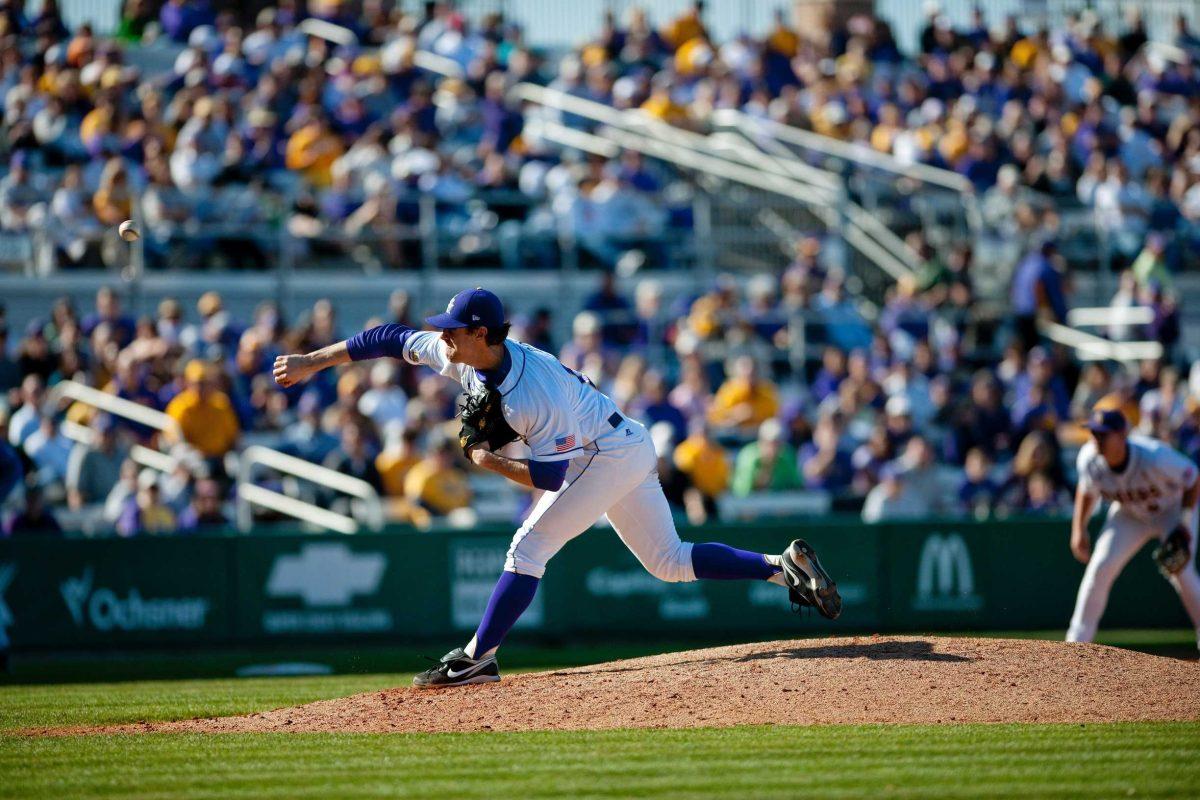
<point>599,585</point>
<point>299,587</point>
<point>113,592</point>
<point>475,564</point>
<point>1010,575</point>
<point>71,593</point>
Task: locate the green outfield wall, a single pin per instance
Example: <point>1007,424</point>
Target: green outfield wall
<point>292,587</point>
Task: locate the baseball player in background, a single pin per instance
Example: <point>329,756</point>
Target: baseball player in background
<point>588,457</point>
<point>1153,491</point>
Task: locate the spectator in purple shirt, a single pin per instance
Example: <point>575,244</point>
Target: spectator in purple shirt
<point>35,519</point>
<point>982,422</point>
<point>501,122</point>
<point>1037,286</point>
<point>108,311</point>
<point>905,314</point>
<point>654,407</point>
<point>204,511</point>
<point>831,374</point>
<point>823,462</point>
<point>1039,372</point>
<point>977,492</point>
<point>618,326</point>
<point>180,17</point>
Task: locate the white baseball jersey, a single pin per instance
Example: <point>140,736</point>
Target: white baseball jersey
<point>556,411</point>
<point>1149,488</point>
<point>1145,499</point>
<point>613,467</point>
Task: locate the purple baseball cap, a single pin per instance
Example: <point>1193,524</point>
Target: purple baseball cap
<point>1111,421</point>
<point>470,308</point>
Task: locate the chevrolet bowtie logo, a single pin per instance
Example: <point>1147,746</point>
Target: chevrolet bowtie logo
<point>326,574</point>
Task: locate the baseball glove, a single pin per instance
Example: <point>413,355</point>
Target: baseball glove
<point>1173,553</point>
<point>483,421</point>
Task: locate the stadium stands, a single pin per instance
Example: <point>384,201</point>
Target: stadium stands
<point>321,142</point>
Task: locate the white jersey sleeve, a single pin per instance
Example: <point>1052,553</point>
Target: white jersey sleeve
<point>426,347</point>
<point>1086,482</point>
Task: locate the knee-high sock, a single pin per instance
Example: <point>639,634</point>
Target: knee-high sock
<point>720,562</point>
<point>510,598</point>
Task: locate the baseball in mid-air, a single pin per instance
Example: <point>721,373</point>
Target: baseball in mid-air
<point>128,231</point>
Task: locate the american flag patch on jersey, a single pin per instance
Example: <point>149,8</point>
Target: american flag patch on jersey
<point>564,443</point>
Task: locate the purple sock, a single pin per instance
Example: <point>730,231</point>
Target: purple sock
<point>510,598</point>
<point>720,562</point>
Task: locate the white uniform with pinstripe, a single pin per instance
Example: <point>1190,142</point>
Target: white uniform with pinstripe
<point>560,415</point>
<point>1146,504</point>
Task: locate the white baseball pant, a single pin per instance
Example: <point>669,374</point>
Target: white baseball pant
<point>622,483</point>
<point>1123,535</point>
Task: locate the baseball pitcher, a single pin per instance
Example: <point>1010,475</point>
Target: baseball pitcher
<point>1153,491</point>
<point>588,457</point>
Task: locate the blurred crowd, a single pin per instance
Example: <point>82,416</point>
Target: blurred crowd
<point>898,416</point>
<point>263,130</point>
<point>210,375</point>
<point>319,122</point>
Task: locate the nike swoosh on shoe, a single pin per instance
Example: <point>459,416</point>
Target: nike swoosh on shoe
<point>450,673</point>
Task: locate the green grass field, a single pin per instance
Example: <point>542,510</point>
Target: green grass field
<point>1029,761</point>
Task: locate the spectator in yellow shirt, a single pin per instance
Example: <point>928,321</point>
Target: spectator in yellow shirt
<point>685,27</point>
<point>712,314</point>
<point>435,485</point>
<point>113,201</point>
<point>205,417</point>
<point>694,56</point>
<point>397,458</point>
<point>745,400</point>
<point>311,150</point>
<point>891,125</point>
<point>782,39</point>
<point>662,106</point>
<point>705,463</point>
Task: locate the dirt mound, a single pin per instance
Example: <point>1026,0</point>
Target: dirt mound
<point>850,680</point>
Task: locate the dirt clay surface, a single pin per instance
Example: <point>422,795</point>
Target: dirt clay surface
<point>847,680</point>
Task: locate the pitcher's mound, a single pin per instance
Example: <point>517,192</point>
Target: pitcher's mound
<point>848,680</point>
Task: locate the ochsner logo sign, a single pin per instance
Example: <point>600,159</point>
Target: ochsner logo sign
<point>105,610</point>
<point>945,579</point>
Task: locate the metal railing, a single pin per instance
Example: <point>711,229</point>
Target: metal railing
<point>724,158</point>
<point>1089,347</point>
<point>1104,316</point>
<point>117,407</point>
<point>862,230</point>
<point>731,119</point>
<point>860,160</point>
<point>369,508</point>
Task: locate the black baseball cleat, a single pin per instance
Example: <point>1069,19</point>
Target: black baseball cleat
<point>458,669</point>
<point>807,581</point>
